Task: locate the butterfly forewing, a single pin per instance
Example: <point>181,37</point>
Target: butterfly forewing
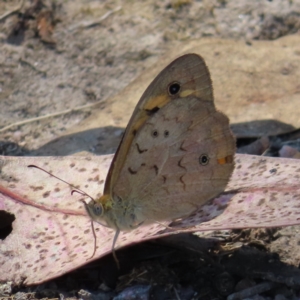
<point>191,73</point>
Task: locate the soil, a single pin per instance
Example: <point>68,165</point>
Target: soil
<point>60,60</point>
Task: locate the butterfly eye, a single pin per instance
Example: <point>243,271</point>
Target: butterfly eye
<point>174,88</point>
<point>203,159</point>
<point>155,133</point>
<point>97,209</point>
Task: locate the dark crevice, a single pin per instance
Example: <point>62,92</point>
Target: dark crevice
<point>6,220</point>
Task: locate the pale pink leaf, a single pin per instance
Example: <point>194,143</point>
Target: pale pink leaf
<point>52,233</point>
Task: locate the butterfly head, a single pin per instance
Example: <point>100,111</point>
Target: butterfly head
<point>100,211</point>
<point>94,209</point>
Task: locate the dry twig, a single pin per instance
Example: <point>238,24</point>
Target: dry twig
<point>11,12</point>
<point>49,116</point>
<point>89,24</point>
<point>23,61</point>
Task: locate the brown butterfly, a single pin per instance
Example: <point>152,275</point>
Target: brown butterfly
<point>176,153</point>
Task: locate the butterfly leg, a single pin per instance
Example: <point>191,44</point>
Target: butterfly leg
<point>113,248</point>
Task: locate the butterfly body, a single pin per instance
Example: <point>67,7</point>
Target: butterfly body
<point>176,153</point>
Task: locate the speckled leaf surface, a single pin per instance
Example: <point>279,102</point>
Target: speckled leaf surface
<point>52,234</point>
<point>263,192</point>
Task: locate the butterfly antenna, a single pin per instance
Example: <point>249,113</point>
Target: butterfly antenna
<point>75,188</point>
<point>79,191</point>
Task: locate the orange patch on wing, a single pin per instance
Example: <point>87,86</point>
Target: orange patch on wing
<point>225,160</point>
<point>158,101</point>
